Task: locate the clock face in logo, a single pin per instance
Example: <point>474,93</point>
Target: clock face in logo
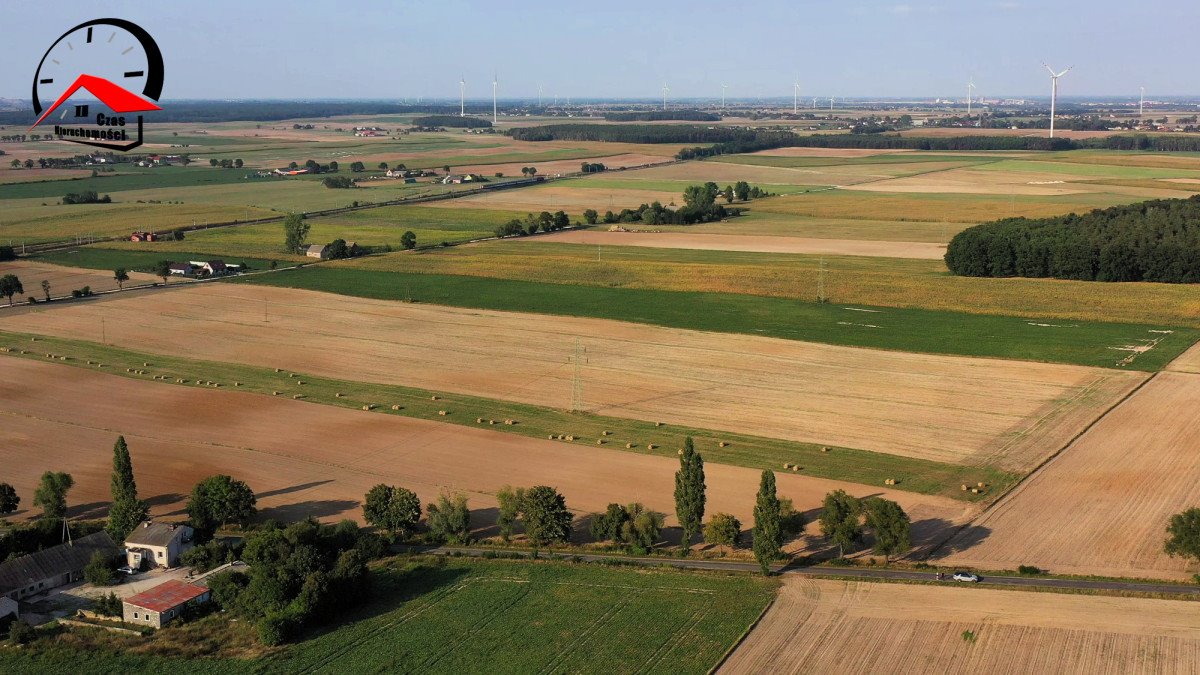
<point>116,50</point>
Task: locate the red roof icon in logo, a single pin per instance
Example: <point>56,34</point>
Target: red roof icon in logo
<point>117,99</point>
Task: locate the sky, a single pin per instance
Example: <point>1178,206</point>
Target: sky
<point>391,49</point>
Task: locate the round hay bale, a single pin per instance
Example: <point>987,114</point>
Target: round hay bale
<point>397,407</point>
<point>964,487</point>
<point>629,446</point>
<point>277,370</point>
<point>722,444</point>
<point>651,446</point>
<point>599,441</point>
<point>510,422</point>
<point>237,384</point>
<point>605,433</point>
<point>491,421</point>
<point>433,398</point>
<point>443,413</point>
<point>274,393</point>
<point>291,375</point>
<point>550,437</point>
<point>478,420</point>
<point>570,437</point>
<point>678,452</point>
<point>824,449</point>
<point>337,394</point>
<point>979,485</point>
<point>366,407</point>
<point>296,397</point>
<point>145,364</point>
<point>787,465</point>
<point>974,491</point>
<point>300,382</point>
<point>658,424</point>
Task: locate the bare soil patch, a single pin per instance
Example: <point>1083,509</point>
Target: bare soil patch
<point>305,459</point>
<point>1102,506</point>
<point>741,242</point>
<point>919,405</point>
<point>858,627</point>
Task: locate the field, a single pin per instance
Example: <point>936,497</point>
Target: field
<point>749,243</point>
<point>854,280</point>
<point>1107,345</point>
<point>1111,494</point>
<point>495,616</point>
<point>1004,413</point>
<point>63,280</point>
<point>837,626</point>
<point>294,455</point>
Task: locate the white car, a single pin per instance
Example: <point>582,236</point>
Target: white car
<point>127,570</point>
<point>966,576</point>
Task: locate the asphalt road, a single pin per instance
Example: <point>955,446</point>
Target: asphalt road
<point>1043,582</point>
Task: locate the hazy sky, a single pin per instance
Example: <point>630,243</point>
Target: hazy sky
<point>622,48</point>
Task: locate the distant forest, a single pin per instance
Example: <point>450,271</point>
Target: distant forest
<point>453,121</point>
<point>1156,240</point>
<point>662,116</point>
<point>729,140</point>
<point>266,111</point>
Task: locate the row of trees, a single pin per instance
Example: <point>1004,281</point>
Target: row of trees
<point>85,197</point>
<point>226,163</point>
<point>662,116</point>
<point>531,224</point>
<point>1156,240</point>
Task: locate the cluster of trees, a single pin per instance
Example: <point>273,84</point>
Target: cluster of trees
<point>529,171</point>
<point>295,232</point>
<point>544,221</point>
<point>1156,240</point>
<point>338,182</point>
<point>592,167</point>
<point>314,166</point>
<point>226,163</point>
<point>700,206</point>
<point>845,520</point>
<point>453,121</point>
<point>397,511</point>
<point>662,116</point>
<point>85,197</point>
<point>10,285</point>
<point>297,577</point>
<point>1183,535</point>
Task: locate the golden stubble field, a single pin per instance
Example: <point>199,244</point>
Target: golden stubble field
<point>748,243</point>
<point>1102,506</point>
<point>818,626</point>
<point>952,409</point>
<point>304,459</point>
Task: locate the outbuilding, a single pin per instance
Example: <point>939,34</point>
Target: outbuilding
<point>164,603</point>
<point>52,567</point>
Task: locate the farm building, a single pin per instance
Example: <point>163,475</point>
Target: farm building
<point>211,268</point>
<point>9,607</point>
<point>52,567</point>
<point>142,236</point>
<point>181,269</point>
<point>158,606</point>
<point>319,251</point>
<point>154,544</point>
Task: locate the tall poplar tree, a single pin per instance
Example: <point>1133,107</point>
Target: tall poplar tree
<point>689,493</point>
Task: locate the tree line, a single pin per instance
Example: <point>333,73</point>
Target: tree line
<point>453,121</point>
<point>1156,240</point>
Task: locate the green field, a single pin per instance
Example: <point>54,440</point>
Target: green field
<point>480,616</point>
<point>129,179</point>
<point>904,329</point>
<point>848,464</point>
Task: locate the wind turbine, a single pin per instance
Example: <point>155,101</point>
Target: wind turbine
<point>539,95</point>
<point>795,97</point>
<point>666,90</point>
<point>495,84</point>
<point>830,104</point>
<point>1054,92</point>
<point>723,88</point>
<point>1141,101</point>
<point>462,97</point>
<point>970,93</point>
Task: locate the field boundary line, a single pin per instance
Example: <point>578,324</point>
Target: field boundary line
<point>591,630</point>
<point>1023,482</point>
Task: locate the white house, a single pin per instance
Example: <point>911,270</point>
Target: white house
<point>154,544</point>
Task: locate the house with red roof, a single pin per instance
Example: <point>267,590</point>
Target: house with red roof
<point>165,602</point>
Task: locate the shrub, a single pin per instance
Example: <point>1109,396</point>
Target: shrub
<point>100,571</point>
<point>450,519</point>
<point>723,530</point>
<point>1030,569</point>
<point>21,633</point>
<point>107,605</point>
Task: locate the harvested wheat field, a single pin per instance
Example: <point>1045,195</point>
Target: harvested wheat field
<point>825,152</point>
<point>562,166</point>
<point>818,626</point>
<point>1007,413</point>
<point>749,243</point>
<point>63,280</point>
<point>1102,506</point>
<point>1187,362</point>
<point>306,459</point>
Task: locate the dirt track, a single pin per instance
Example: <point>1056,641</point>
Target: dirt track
<point>854,627</point>
<point>1102,506</point>
<point>760,244</point>
<point>306,459</point>
<point>1009,413</point>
